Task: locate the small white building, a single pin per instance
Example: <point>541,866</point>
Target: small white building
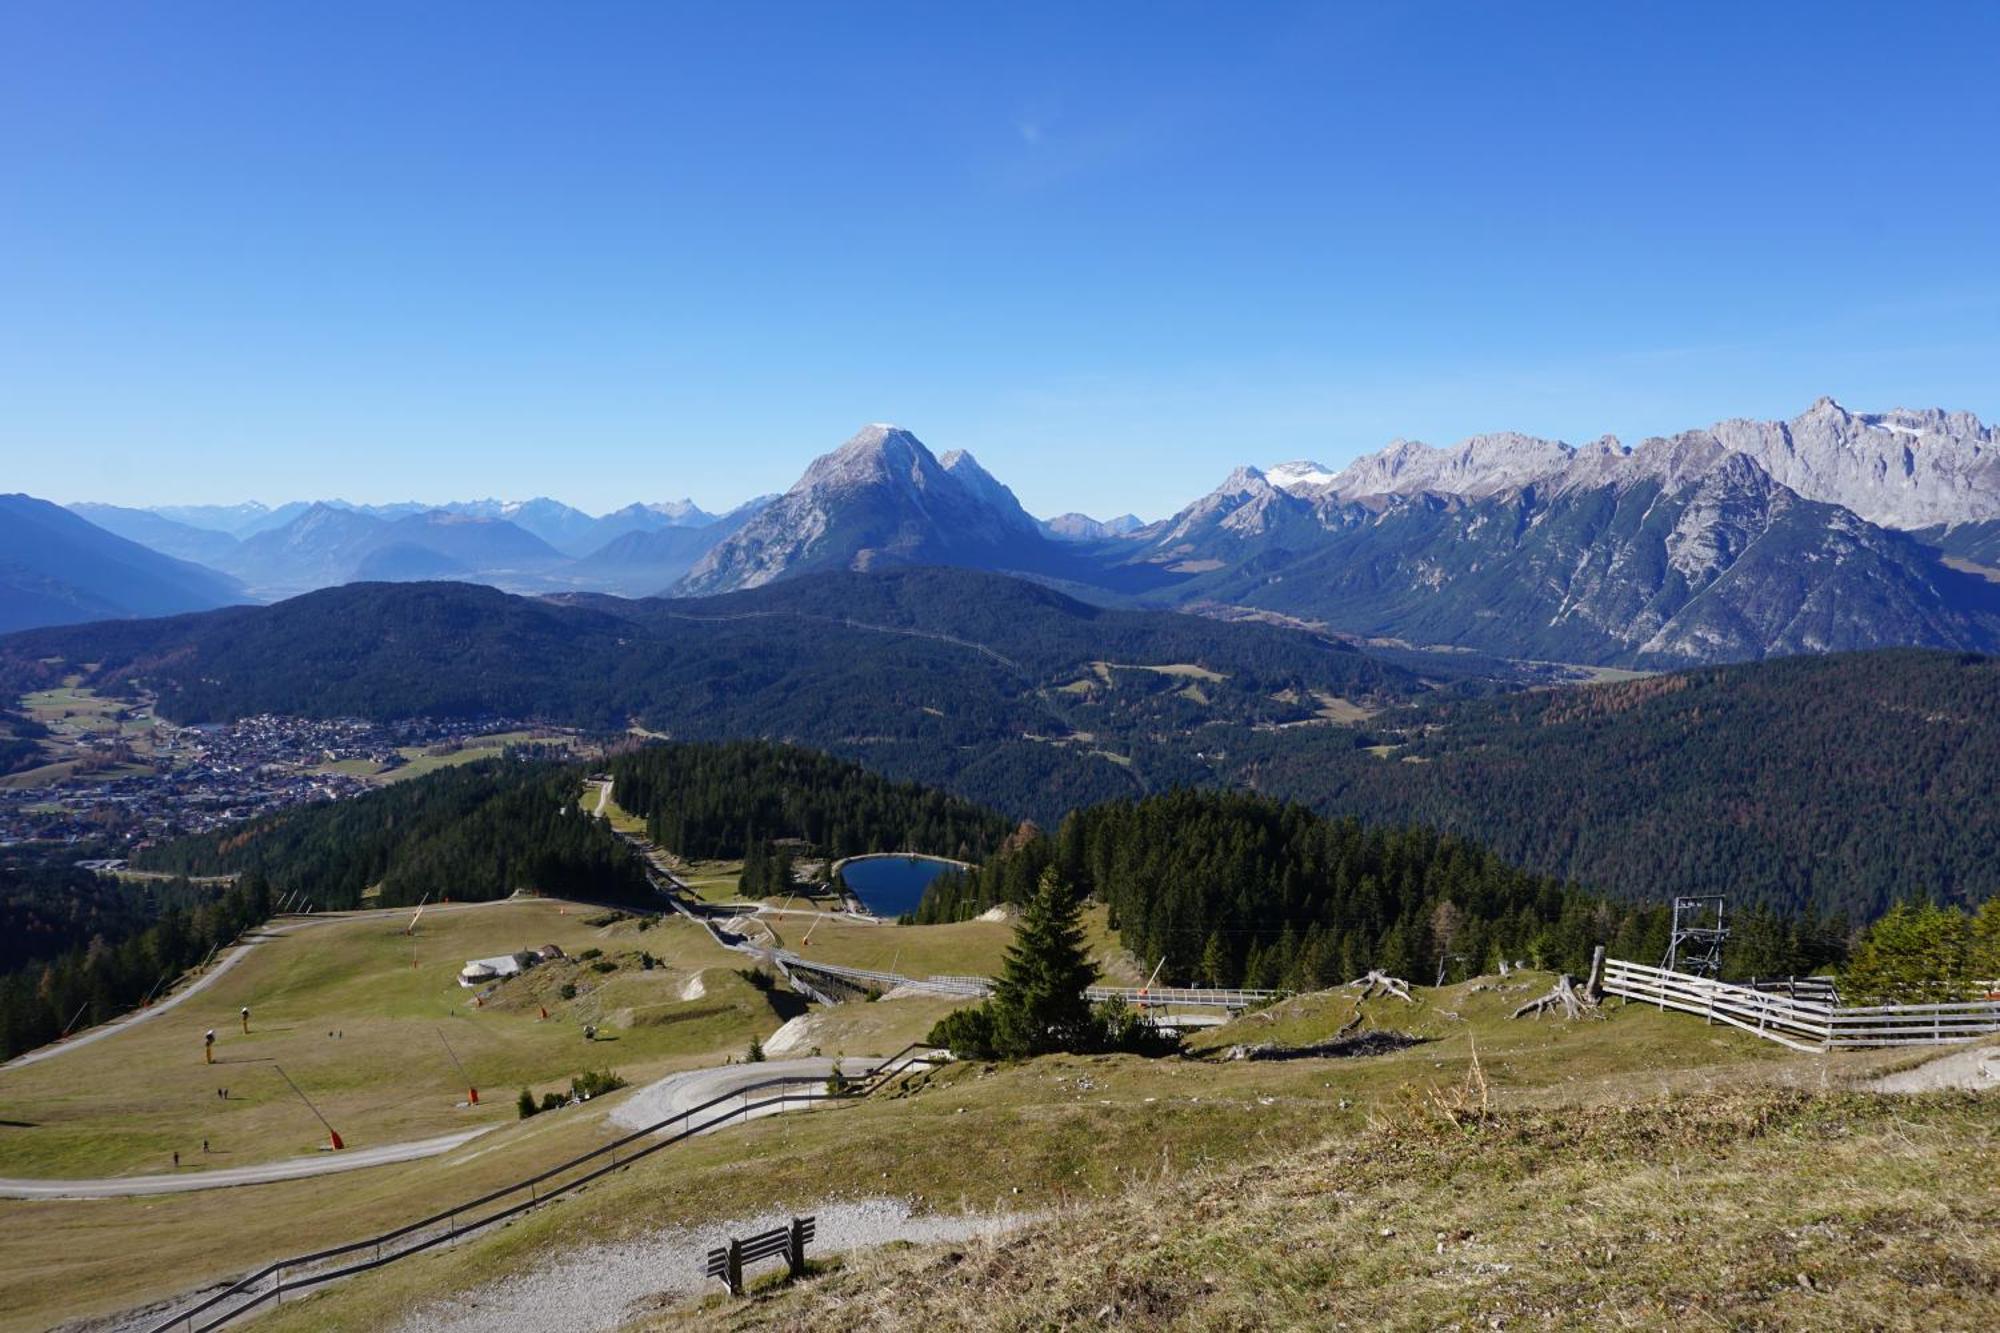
<point>480,971</point>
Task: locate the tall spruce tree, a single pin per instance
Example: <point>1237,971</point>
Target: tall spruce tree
<point>1038,1002</point>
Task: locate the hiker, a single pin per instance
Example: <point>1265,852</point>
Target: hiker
<point>177,1159</point>
<point>204,1145</point>
<point>246,1020</point>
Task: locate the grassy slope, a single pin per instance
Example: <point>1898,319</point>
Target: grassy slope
<point>1757,1209</point>
<point>124,1104</point>
<point>1053,1132</point>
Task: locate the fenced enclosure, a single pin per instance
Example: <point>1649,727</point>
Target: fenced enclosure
<point>1800,1017</point>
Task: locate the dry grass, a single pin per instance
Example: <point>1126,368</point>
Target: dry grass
<point>1759,1209</point>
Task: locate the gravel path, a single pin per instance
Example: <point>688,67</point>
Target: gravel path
<point>608,1286</point>
<point>1974,1069</point>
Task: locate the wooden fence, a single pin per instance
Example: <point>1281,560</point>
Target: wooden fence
<point>1797,1022</point>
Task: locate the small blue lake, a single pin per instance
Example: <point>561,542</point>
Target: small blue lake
<point>892,885</point>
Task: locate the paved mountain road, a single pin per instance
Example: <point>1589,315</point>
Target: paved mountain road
<point>291,1168</point>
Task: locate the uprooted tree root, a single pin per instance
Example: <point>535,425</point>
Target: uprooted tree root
<point>1381,983</point>
<point>1575,1001</point>
<point>1567,996</point>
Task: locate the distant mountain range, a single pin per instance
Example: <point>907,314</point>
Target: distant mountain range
<point>1834,530</point>
<point>58,569</point>
<point>538,545</point>
<point>1750,539</point>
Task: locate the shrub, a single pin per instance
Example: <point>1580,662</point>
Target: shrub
<point>526,1105</point>
<point>604,965</point>
<point>554,1101</point>
<point>589,954</point>
<point>966,1033</point>
<point>755,1055</point>
<point>836,1083</point>
<point>566,991</point>
<point>647,962</point>
<point>594,1083</point>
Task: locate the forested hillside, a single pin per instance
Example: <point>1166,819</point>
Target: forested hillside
<point>720,801</point>
<point>1234,889</point>
<point>1841,783</point>
<point>126,958</point>
<point>479,831</point>
<point>48,906</point>
<point>999,690</point>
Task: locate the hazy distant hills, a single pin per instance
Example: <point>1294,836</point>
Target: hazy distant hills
<point>56,568</point>
<point>538,545</point>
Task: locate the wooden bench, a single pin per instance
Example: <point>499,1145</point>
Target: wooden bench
<point>725,1262</point>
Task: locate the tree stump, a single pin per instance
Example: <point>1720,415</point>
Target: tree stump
<point>1574,1002</point>
<point>1381,983</point>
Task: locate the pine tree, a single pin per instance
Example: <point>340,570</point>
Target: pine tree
<point>1038,1002</point>
<point>1217,968</point>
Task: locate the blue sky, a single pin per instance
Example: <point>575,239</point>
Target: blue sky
<point>605,251</point>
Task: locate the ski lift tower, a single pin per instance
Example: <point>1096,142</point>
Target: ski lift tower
<point>1695,947</point>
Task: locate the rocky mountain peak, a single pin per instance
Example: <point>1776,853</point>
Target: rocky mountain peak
<point>1480,466</point>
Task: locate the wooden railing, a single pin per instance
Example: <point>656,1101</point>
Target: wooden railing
<point>271,1283</point>
<point>1797,1022</point>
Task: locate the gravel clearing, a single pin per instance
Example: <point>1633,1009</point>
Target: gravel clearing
<point>608,1286</point>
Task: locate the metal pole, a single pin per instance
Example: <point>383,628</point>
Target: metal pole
<point>302,1097</point>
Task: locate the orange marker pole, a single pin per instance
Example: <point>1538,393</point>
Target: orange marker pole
<point>332,1134</point>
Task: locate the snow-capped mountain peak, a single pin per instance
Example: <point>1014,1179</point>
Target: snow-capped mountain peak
<point>1298,475</point>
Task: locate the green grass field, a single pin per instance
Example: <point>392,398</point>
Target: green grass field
<point>123,1105</point>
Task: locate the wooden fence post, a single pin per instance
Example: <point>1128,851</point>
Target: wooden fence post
<point>796,1255</point>
<point>735,1275</point>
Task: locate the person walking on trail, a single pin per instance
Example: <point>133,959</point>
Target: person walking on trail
<point>246,1020</point>
<point>177,1159</point>
<point>208,1046</point>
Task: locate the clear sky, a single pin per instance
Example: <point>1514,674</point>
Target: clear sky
<point>605,251</point>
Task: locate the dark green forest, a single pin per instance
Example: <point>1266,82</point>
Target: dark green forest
<point>49,906</point>
<point>475,832</point>
<point>88,983</point>
<point>1840,784</point>
<point>1235,889</point>
<point>728,801</point>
